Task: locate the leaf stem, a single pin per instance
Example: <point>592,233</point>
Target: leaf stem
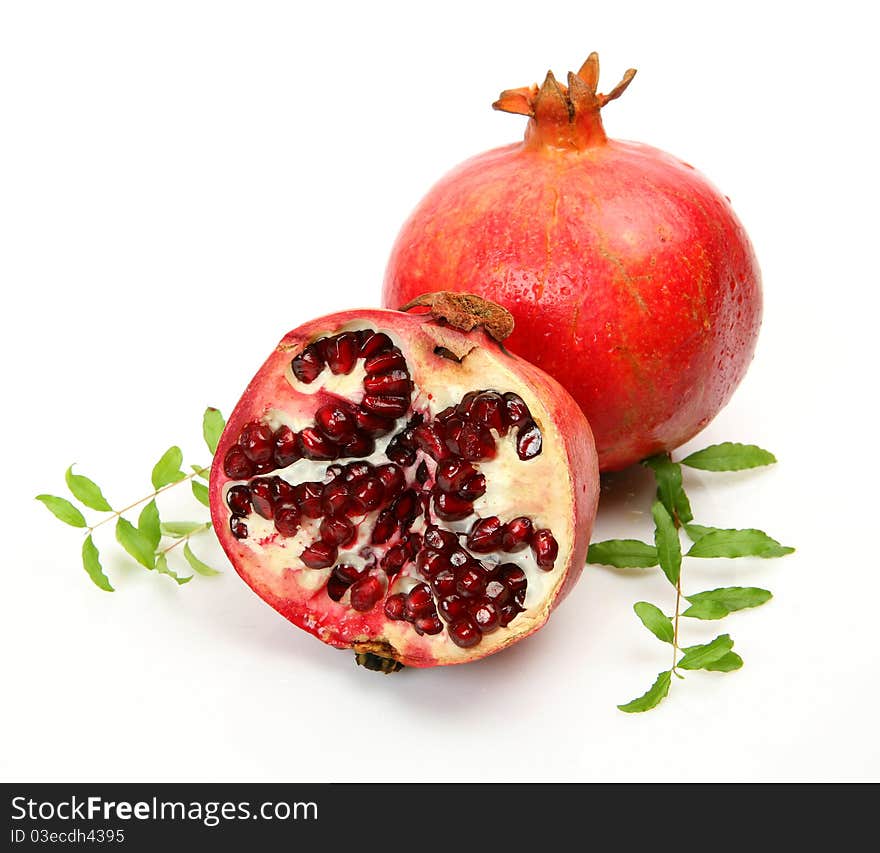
<point>119,512</point>
<point>675,625</point>
<point>185,537</point>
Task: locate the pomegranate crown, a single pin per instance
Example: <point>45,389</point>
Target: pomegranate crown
<point>564,117</point>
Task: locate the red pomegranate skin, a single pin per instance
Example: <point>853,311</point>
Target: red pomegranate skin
<point>630,278</point>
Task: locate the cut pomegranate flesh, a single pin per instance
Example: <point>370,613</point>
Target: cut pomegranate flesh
<point>367,495</point>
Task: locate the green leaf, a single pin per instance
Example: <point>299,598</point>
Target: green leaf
<point>135,543</point>
<point>63,510</point>
<point>203,471</point>
<point>149,525</point>
<point>623,554</point>
<point>669,486</point>
<point>92,565</point>
<point>167,469</point>
<point>196,564</point>
<point>729,457</point>
<point>728,663</point>
<point>86,492</point>
<point>655,621</point>
<point>212,428</point>
<point>737,543</point>
<point>652,698</point>
<point>697,657</point>
<point>667,543</point>
<point>706,610</point>
<point>705,605</point>
<point>698,531</point>
<point>200,492</point>
<point>176,529</point>
<point>163,569</point>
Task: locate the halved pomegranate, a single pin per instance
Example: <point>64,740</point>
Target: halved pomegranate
<point>401,485</point>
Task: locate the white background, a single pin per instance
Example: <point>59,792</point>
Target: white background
<point>181,183</point>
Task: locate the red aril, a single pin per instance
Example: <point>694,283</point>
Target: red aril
<point>630,277</point>
<point>401,485</point>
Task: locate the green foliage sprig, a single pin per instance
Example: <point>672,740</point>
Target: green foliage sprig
<point>672,512</point>
<point>150,541</point>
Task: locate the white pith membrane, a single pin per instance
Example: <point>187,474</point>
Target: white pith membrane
<point>537,488</point>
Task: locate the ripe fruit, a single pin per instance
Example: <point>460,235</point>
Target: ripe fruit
<point>630,277</point>
<point>373,485</point>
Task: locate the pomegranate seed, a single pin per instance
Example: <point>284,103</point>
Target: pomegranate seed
<point>422,473</point>
<point>257,442</point>
<point>360,445</point>
<point>383,362</point>
<point>444,584</point>
<point>282,491</point>
<point>452,607</point>
<point>308,364</point>
<point>369,492</point>
<point>515,409</point>
<point>475,442</point>
<point>431,563</point>
<point>485,535</point>
<point>394,560</point>
<point>341,579</point>
<point>386,524</point>
<point>486,615</point>
<point>467,402</point>
<point>413,544</point>
<point>464,633</point>
<point>452,474</point>
<point>374,343</point>
<point>388,407</point>
<point>308,499</point>
<point>509,612</point>
<point>440,540</point>
<point>488,409</point>
<point>356,471</point>
<point>319,555</point>
<point>374,425</point>
<point>428,624</point>
<point>238,499</point>
<point>335,499</point>
<point>399,453</point>
<point>459,558</point>
<point>392,478</point>
<point>335,421</point>
<point>316,446</point>
<point>394,382</point>
<point>238,527</point>
<point>452,507</point>
<point>365,593</point>
<point>286,450</point>
<point>337,531</point>
<point>545,548</point>
<point>236,465</point>
<point>474,488</point>
<point>394,605</point>
<point>514,578</point>
<point>497,593</point>
<point>445,415</point>
<point>419,602</point>
<point>472,582</point>
<point>429,438</point>
<point>516,534</point>
<point>341,352</point>
<point>528,440</point>
<point>453,428</point>
<point>287,521</point>
<point>261,497</point>
<point>264,467</point>
<point>406,507</point>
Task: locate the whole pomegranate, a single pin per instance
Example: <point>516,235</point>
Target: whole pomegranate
<point>400,485</point>
<point>631,279</point>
